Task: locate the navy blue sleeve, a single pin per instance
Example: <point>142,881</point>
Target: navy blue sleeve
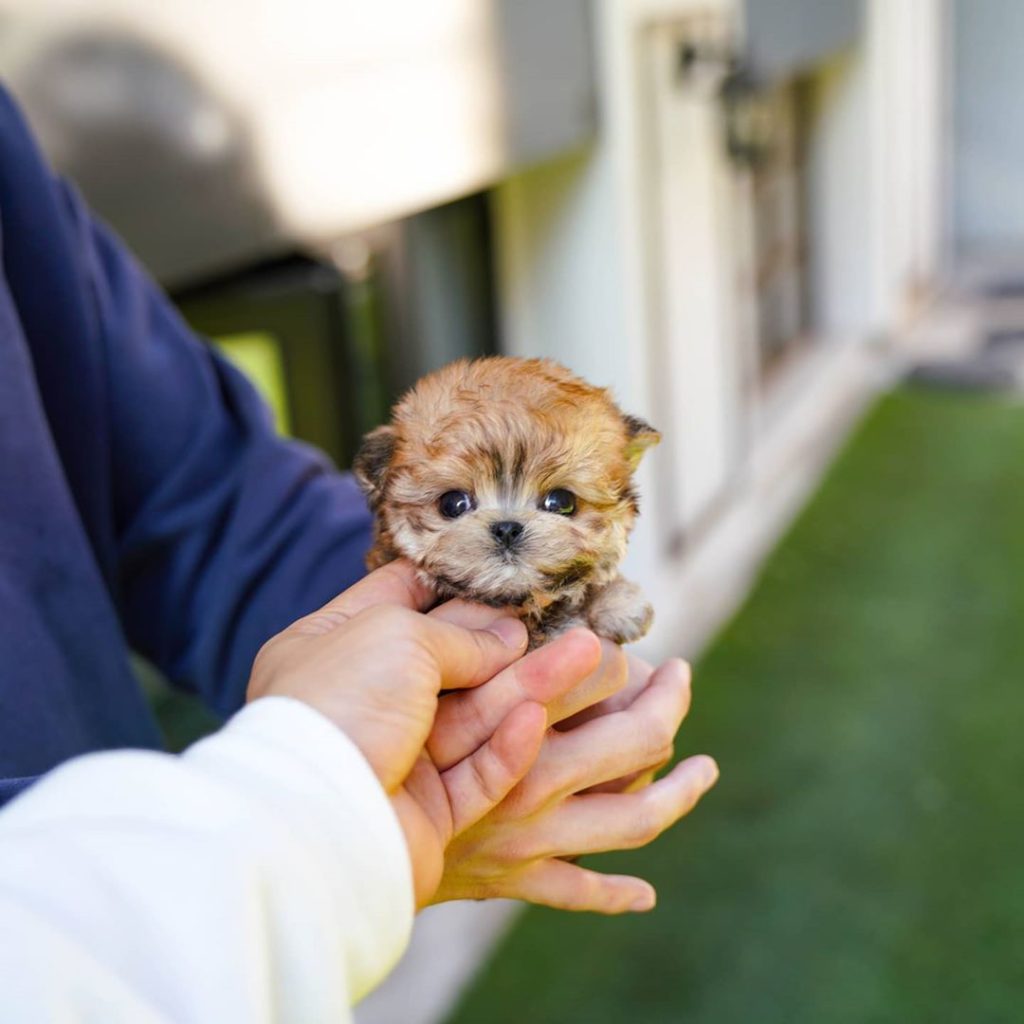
<point>212,532</point>
<point>225,531</point>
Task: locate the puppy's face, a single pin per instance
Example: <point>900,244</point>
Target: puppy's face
<point>506,480</point>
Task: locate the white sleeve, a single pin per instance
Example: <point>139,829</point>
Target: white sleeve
<point>261,876</point>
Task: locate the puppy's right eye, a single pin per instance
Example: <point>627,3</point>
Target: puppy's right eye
<point>453,504</point>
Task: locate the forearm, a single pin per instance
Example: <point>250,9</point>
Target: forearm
<point>260,876</point>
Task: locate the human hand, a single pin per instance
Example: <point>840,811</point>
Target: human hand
<point>483,741</point>
<point>581,795</point>
<point>479,749</point>
<point>374,666</point>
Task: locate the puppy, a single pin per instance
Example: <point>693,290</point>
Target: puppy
<point>510,482</point>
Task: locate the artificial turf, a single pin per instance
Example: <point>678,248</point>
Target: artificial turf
<point>862,858</point>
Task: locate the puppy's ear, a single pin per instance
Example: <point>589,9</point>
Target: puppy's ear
<point>372,461</point>
<point>640,436</point>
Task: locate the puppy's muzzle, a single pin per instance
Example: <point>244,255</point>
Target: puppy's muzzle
<point>507,533</point>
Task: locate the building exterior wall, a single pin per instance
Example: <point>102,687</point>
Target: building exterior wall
<point>632,263</point>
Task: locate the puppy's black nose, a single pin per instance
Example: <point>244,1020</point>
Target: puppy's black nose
<point>507,533</point>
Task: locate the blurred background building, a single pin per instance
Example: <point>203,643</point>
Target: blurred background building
<point>733,212</point>
<point>717,208</point>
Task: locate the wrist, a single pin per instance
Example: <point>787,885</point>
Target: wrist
<point>426,852</point>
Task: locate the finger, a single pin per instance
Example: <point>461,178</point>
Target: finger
<point>554,883</point>
<point>639,675</point>
<point>631,783</point>
<point>619,821</point>
<point>396,583</point>
<point>465,720</point>
<point>469,657</point>
<point>617,745</point>
<point>608,678</point>
<point>478,783</point>
<point>467,614</point>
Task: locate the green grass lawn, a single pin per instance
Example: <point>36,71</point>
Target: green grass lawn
<point>862,858</point>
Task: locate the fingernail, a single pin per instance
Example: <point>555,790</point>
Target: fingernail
<point>511,632</point>
<point>644,903</point>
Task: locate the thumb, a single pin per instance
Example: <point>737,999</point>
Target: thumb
<point>469,657</point>
<point>396,583</point>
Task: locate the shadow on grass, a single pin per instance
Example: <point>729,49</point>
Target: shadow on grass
<point>862,858</point>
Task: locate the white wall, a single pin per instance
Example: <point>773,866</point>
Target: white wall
<point>988,127</point>
<point>875,170</point>
<point>584,276</point>
<point>908,86</point>
<point>839,198</point>
<point>562,270</point>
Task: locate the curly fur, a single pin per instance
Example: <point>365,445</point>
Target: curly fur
<point>508,431</point>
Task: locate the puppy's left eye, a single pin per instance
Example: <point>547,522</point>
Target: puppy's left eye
<point>559,500</point>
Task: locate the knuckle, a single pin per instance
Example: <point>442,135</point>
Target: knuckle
<point>484,780</point>
<point>663,730</point>
<point>585,890</point>
<point>646,825</point>
<point>519,679</point>
<point>404,628</point>
<point>536,794</point>
<point>658,738</point>
<point>518,852</point>
<point>274,650</point>
<point>491,889</point>
<point>265,652</point>
<point>524,799</point>
<point>384,616</point>
<point>472,714</point>
<point>661,756</point>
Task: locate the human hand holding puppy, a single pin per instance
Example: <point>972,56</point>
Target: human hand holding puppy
<point>374,665</point>
<point>590,789</point>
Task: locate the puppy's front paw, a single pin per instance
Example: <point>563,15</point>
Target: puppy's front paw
<point>621,612</point>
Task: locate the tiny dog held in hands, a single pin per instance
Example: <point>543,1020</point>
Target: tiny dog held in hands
<point>510,482</point>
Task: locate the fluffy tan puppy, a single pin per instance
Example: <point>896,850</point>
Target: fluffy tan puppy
<point>510,482</point>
